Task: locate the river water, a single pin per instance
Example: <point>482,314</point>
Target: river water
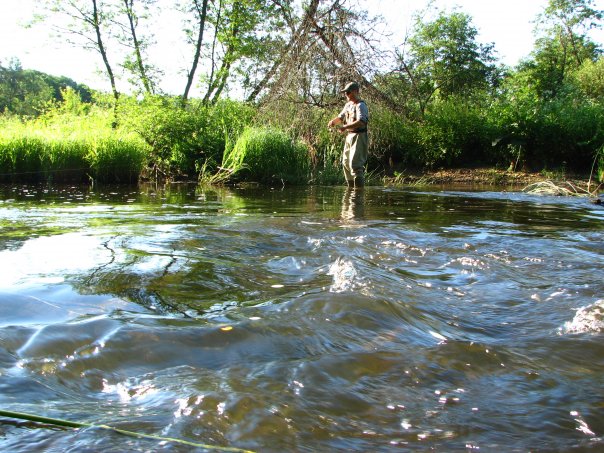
<point>312,319</point>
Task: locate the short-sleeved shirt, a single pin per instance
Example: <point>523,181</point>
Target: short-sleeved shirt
<point>354,111</point>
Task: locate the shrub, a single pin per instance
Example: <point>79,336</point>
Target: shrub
<point>183,140</point>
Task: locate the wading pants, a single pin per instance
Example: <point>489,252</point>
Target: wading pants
<point>354,158</point>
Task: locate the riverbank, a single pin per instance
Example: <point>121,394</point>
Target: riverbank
<point>491,177</point>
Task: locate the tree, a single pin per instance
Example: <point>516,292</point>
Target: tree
<point>89,23</point>
<point>329,44</point>
<point>564,44</point>
<point>444,58</point>
<point>131,37</point>
<point>27,92</point>
<point>590,79</point>
<point>200,12</point>
<point>242,31</point>
<point>296,32</point>
<point>23,92</point>
<point>569,21</point>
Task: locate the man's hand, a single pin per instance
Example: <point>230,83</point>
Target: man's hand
<point>334,122</point>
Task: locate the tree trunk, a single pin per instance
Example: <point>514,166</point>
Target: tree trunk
<point>103,52</point>
<point>213,67</point>
<point>202,21</point>
<point>129,4</point>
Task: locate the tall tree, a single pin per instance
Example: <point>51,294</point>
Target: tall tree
<point>445,58</point>
<point>329,43</point>
<point>23,92</point>
<point>242,31</point>
<point>563,44</point>
<point>569,21</point>
<point>89,22</point>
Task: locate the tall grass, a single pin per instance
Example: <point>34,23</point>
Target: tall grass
<point>65,147</point>
<point>157,137</point>
<point>267,156</point>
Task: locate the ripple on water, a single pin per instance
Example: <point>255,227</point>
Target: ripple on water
<point>433,322</point>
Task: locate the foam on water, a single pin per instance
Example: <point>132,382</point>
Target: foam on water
<point>588,319</point>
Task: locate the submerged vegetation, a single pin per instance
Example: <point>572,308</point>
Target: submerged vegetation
<point>442,103</point>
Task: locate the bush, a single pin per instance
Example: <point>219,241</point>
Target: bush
<point>392,137</point>
<point>454,132</point>
<point>563,132</point>
<point>184,140</point>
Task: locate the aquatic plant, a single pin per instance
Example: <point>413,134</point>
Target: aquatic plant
<point>59,422</point>
<point>566,188</point>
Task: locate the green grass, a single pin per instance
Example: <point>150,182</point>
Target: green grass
<point>69,148</point>
<point>266,156</point>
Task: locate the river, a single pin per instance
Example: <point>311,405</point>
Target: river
<point>311,319</point>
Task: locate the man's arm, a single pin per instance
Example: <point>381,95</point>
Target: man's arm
<point>358,124</point>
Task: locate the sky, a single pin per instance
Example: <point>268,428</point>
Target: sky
<point>506,23</point>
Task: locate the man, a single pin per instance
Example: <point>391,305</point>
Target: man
<point>354,118</point>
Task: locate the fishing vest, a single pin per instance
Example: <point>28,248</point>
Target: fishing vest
<point>349,114</point>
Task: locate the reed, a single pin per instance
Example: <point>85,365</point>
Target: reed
<point>68,148</point>
<point>71,424</point>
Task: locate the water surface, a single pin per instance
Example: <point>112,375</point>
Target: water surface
<point>313,319</point>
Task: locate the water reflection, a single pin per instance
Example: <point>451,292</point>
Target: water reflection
<point>264,319</point>
<point>353,204</point>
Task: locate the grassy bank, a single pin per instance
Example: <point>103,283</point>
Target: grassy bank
<point>286,143</point>
<point>69,148</point>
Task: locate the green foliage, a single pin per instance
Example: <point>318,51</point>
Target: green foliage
<point>563,45</point>
<point>29,93</point>
<point>185,139</point>
<point>267,156</point>
<point>393,138</point>
<point>308,124</point>
<point>246,30</point>
<point>445,56</point>
<point>589,79</point>
<point>564,131</point>
<point>599,161</point>
<point>61,146</point>
<point>456,132</point>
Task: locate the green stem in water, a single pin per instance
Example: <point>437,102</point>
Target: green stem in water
<point>70,424</point>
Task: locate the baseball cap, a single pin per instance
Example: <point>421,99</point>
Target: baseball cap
<point>352,86</point>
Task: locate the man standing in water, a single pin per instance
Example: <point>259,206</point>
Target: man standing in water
<point>354,118</point>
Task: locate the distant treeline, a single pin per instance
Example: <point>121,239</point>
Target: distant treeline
<point>442,101</point>
<point>26,92</point>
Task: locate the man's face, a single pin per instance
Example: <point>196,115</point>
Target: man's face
<point>352,95</point>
